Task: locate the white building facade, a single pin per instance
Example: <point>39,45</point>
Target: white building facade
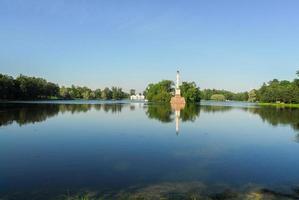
<point>137,97</point>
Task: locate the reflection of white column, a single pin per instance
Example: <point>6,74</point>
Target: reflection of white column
<point>177,120</point>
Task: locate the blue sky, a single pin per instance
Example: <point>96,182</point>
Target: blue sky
<point>235,45</point>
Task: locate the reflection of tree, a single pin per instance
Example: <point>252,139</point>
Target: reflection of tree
<point>190,112</point>
<point>114,108</point>
<point>132,107</point>
<point>31,113</point>
<point>161,112</point>
<point>276,116</point>
<point>164,113</point>
<point>74,108</point>
<point>211,108</point>
<point>26,114</point>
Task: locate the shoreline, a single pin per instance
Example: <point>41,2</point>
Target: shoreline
<point>288,105</point>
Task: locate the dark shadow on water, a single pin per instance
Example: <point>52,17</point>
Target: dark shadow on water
<point>278,116</point>
<point>160,112</point>
<point>165,114</point>
<point>30,113</point>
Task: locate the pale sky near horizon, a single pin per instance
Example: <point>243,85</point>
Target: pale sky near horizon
<point>233,44</point>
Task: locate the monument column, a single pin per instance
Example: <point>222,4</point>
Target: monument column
<point>177,79</point>
<point>177,101</point>
<point>177,87</point>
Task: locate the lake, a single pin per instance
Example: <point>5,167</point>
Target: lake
<point>132,150</point>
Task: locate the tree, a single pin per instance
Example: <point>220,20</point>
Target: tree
<point>160,92</point>
<point>190,92</point>
<point>98,94</point>
<point>87,93</point>
<point>117,93</point>
<point>35,88</point>
<point>252,97</point>
<point>52,90</point>
<point>31,88</point>
<point>64,93</point>
<point>106,94</point>
<point>132,91</point>
<point>241,96</point>
<point>279,91</point>
<point>218,97</point>
<point>7,87</point>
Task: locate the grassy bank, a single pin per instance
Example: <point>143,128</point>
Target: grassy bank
<point>280,105</point>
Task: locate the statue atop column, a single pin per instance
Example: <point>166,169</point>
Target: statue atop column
<point>177,86</point>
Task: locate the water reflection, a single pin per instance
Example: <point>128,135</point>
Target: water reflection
<point>28,113</point>
<point>32,113</point>
<point>166,114</point>
<point>163,113</point>
<point>278,116</point>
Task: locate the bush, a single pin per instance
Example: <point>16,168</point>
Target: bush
<point>218,97</point>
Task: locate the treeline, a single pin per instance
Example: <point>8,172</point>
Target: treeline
<point>74,92</point>
<point>222,95</point>
<point>276,91</point>
<point>32,88</point>
<point>24,87</point>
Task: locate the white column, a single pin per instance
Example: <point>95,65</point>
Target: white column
<point>177,87</point>
<point>178,79</point>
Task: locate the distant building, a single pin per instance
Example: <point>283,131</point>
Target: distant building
<point>137,97</point>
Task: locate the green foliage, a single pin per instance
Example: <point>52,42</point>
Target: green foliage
<point>74,92</point>
<point>97,94</point>
<point>252,96</point>
<point>117,93</point>
<point>32,88</point>
<point>280,105</point>
<point>208,93</point>
<point>218,97</point>
<point>7,87</point>
<point>160,92</point>
<point>77,93</point>
<point>240,96</point>
<point>190,92</point>
<point>24,87</point>
<point>106,94</point>
<point>276,91</point>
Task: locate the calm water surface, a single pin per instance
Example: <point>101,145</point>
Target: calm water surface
<point>111,150</point>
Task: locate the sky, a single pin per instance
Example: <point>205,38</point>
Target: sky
<point>233,44</point>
